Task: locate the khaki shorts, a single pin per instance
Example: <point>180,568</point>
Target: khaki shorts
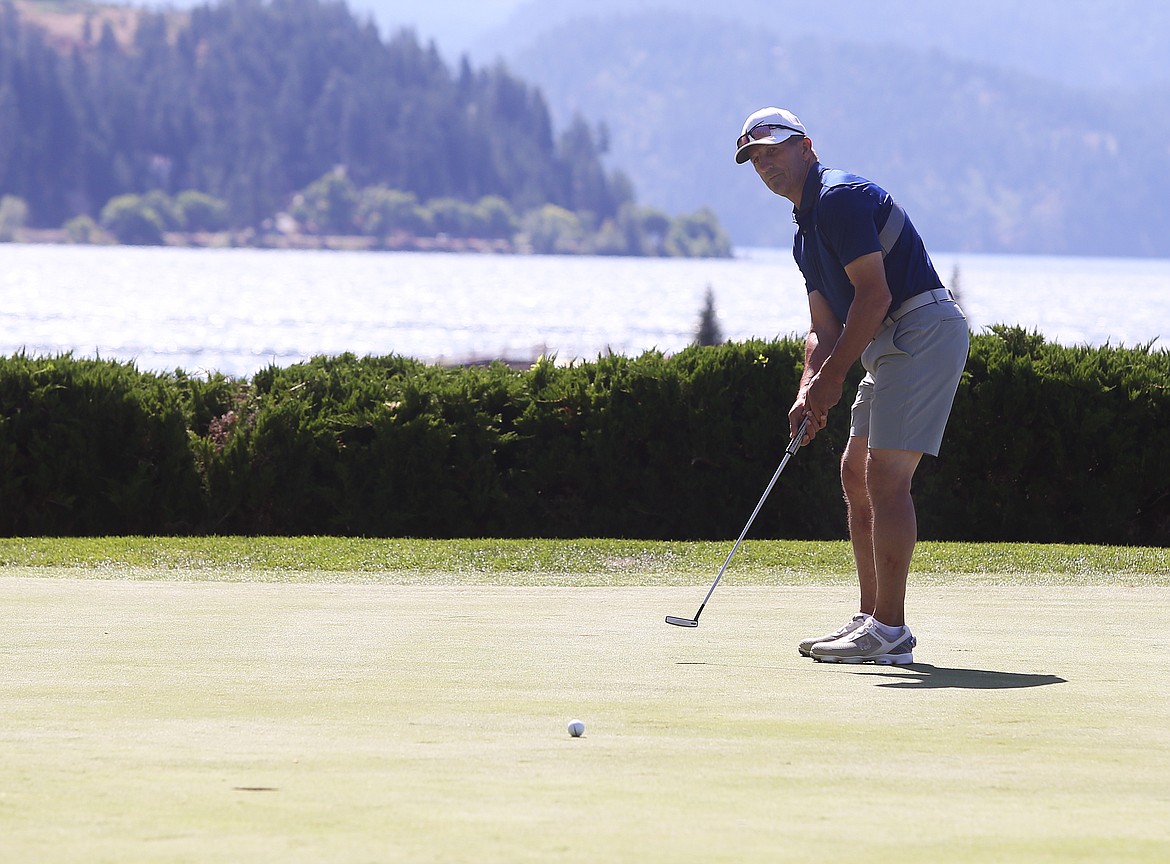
<point>912,369</point>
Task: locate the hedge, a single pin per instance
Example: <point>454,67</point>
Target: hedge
<point>1046,443</point>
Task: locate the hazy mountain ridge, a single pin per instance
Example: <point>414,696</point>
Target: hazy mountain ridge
<point>985,159</point>
<point>1119,45</point>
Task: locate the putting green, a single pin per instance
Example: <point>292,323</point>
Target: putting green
<point>228,721</point>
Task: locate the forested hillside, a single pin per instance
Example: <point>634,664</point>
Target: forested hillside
<point>252,102</point>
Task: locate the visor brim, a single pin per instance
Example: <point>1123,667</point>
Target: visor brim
<point>742,155</point>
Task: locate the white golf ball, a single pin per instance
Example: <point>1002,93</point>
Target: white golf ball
<point>576,728</point>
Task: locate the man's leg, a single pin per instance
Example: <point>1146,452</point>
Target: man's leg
<point>894,532</point>
<point>903,403</point>
<point>861,533</point>
<point>854,465</point>
<point>884,530</point>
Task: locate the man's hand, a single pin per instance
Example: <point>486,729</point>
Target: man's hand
<point>824,392</point>
<point>815,400</point>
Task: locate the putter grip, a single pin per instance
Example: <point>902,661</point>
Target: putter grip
<point>794,444</point>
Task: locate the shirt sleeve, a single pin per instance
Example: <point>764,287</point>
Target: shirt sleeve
<point>847,222</point>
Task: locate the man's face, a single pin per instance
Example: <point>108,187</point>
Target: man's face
<point>783,166</point>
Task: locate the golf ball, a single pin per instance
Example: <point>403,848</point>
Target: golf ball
<point>576,728</point>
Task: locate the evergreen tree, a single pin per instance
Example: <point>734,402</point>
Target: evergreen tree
<point>709,332</point>
<point>251,101</point>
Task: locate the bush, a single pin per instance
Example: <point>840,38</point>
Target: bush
<point>328,205</point>
<point>197,211</point>
<point>496,218</point>
<point>697,235</point>
<point>82,229</point>
<point>163,207</point>
<point>382,211</point>
<point>454,217</point>
<point>93,447</point>
<point>131,220</point>
<point>1054,444</point>
<point>1046,443</point>
<point>552,230</point>
<point>13,216</point>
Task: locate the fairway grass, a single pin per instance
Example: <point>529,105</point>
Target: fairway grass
<point>604,562</point>
<point>186,714</point>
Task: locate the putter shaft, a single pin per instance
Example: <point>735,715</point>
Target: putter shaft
<point>792,447</point>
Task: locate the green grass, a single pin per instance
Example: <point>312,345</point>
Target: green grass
<point>317,699</point>
<point>584,562</point>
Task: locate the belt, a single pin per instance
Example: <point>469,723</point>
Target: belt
<point>938,295</point>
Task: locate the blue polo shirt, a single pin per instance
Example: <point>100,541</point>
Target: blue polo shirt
<point>842,217</point>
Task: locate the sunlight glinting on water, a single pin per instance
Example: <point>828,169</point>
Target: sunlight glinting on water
<point>239,310</point>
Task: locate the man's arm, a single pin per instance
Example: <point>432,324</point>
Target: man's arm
<point>823,332</point>
<point>871,298</point>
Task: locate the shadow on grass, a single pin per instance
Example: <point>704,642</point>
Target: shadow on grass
<point>923,675</point>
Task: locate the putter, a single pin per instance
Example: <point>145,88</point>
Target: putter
<point>792,447</point>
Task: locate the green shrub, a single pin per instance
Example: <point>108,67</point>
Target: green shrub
<point>328,205</point>
<point>133,221</point>
<point>381,211</point>
<point>1046,443</point>
<point>198,211</point>
<point>82,229</point>
<point>13,216</point>
<point>1052,443</point>
<point>93,447</point>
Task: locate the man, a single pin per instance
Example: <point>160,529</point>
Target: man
<point>873,295</point>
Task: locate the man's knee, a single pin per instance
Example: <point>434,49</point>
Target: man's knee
<point>853,469</point>
<point>890,472</point>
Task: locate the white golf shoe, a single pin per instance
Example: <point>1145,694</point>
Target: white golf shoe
<point>868,644</point>
<point>805,647</point>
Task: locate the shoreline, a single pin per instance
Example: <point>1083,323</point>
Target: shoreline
<point>250,239</point>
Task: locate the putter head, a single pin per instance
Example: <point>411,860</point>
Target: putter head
<point>682,622</point>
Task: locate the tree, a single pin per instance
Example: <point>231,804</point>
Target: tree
<point>197,211</point>
<point>164,208</point>
<point>652,227</point>
<point>697,235</point>
<point>328,205</point>
<point>612,238</point>
<point>552,229</point>
<point>453,217</point>
<point>82,229</point>
<point>13,213</point>
<point>253,103</point>
<point>709,332</point>
<point>497,218</point>
<point>588,187</point>
<point>132,221</point>
<point>381,211</point>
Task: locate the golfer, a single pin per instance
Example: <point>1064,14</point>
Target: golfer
<point>873,295</point>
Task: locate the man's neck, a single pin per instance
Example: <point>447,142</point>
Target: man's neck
<point>798,203</point>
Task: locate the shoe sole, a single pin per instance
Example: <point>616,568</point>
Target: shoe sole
<point>880,659</point>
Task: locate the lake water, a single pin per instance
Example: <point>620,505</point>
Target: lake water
<point>239,310</point>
